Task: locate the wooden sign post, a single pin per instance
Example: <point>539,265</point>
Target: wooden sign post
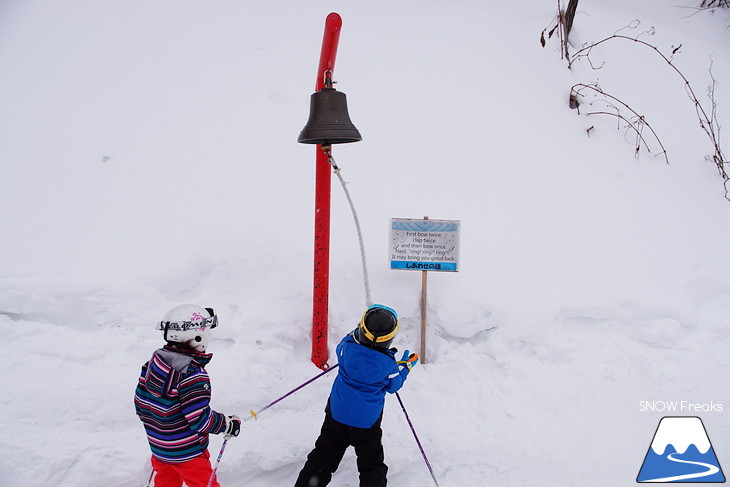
<point>425,245</point>
<point>424,307</point>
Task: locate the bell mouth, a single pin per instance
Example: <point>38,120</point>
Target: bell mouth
<point>306,138</point>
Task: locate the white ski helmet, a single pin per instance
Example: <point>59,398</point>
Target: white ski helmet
<point>188,324</point>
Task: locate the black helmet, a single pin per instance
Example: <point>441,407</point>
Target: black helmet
<point>378,326</point>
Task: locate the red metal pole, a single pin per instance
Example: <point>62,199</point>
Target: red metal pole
<point>323,185</point>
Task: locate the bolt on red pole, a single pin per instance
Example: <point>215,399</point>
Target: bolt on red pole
<point>323,185</point>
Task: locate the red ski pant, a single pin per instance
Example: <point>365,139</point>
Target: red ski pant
<point>195,472</point>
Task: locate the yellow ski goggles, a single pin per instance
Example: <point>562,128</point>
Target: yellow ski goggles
<point>368,334</point>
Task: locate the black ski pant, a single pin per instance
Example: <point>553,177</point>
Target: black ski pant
<point>330,447</point>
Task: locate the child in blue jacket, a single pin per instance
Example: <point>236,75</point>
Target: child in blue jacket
<point>367,370</point>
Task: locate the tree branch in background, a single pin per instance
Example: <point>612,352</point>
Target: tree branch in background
<point>708,123</point>
<point>563,24</point>
<point>715,3</point>
<point>711,6</point>
<point>635,123</point>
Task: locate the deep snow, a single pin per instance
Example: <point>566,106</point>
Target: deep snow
<point>149,158</point>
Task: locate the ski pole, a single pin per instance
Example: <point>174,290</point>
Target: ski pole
<point>218,462</point>
<point>255,414</point>
<point>420,447</point>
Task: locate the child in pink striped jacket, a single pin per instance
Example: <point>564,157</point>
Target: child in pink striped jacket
<point>172,399</point>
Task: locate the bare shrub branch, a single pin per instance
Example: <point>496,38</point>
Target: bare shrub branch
<point>708,123</point>
<point>634,123</point>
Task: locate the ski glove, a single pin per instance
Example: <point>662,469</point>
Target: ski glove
<point>409,360</point>
<point>233,426</point>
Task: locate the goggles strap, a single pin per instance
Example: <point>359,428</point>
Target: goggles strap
<point>373,338</point>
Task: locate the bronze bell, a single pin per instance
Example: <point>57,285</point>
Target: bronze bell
<point>329,122</point>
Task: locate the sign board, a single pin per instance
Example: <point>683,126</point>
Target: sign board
<point>424,245</point>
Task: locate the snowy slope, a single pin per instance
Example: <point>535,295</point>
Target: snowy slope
<point>149,158</point>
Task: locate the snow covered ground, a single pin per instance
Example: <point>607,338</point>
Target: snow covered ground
<point>149,158</point>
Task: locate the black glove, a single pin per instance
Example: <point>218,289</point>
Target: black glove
<point>233,426</point>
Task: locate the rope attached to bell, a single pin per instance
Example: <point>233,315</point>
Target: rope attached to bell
<point>327,150</point>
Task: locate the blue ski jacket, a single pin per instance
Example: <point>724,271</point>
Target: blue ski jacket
<point>365,375</point>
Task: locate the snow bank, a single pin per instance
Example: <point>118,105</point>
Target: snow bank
<point>151,159</point>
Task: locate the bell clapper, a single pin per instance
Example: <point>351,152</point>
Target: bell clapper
<point>328,152</point>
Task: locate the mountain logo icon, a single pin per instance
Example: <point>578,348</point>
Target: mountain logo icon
<point>681,452</point>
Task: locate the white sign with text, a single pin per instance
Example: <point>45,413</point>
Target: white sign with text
<point>424,244</point>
